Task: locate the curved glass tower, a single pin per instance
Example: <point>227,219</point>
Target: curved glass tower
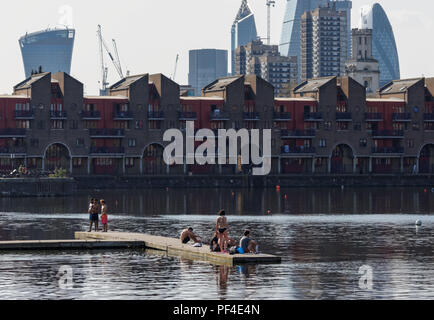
<point>243,30</point>
<point>383,42</point>
<point>50,49</point>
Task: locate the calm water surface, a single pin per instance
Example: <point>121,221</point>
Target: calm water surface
<point>323,235</point>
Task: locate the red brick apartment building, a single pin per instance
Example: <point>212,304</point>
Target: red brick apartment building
<point>327,127</point>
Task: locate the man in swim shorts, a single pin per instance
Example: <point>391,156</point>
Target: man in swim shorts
<point>187,235</point>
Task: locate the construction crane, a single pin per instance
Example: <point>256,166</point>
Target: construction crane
<point>176,67</point>
<point>114,58</point>
<point>269,4</point>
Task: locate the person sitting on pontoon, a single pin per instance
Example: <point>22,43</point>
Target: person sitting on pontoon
<point>187,235</point>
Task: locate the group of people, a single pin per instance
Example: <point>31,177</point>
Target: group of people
<point>221,241</point>
<point>97,208</point>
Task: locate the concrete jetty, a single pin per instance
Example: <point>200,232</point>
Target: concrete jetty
<point>68,245</point>
<point>174,247</point>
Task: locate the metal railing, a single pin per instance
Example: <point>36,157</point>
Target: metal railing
<point>313,116</point>
<point>219,115</point>
<point>12,132</point>
<point>24,114</point>
<point>401,117</point>
<point>297,150</point>
<point>58,114</point>
<point>123,115</point>
<point>107,150</point>
<point>388,133</point>
<point>107,133</point>
<point>286,116</point>
<point>373,116</point>
<point>187,115</point>
<point>344,116</point>
<point>155,115</point>
<point>251,116</point>
<point>90,114</point>
<point>298,133</point>
<point>388,150</point>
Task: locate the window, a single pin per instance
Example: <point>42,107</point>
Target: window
<point>77,162</point>
<point>23,124</point>
<point>74,124</point>
<point>57,124</point>
<point>80,142</point>
<point>410,143</point>
<point>132,143</point>
<point>90,124</point>
<point>363,142</point>
<point>122,125</point>
<point>129,162</point>
<point>323,143</point>
<point>34,143</point>
<point>327,125</point>
<point>357,126</point>
<point>416,126</point>
<point>139,124</point>
<point>154,125</point>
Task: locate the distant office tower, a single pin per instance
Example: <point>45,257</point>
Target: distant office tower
<point>266,62</point>
<point>362,66</point>
<point>50,50</point>
<point>290,38</point>
<point>243,30</point>
<point>324,42</point>
<point>384,46</point>
<point>206,65</point>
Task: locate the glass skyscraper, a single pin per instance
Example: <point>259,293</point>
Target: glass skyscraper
<point>50,50</point>
<point>383,42</point>
<point>291,29</point>
<point>205,66</point>
<point>243,30</point>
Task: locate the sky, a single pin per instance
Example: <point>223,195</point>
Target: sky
<point>149,34</point>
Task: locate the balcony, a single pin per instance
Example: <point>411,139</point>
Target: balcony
<point>12,133</point>
<point>218,115</point>
<point>187,116</point>
<point>24,115</point>
<point>388,134</point>
<point>371,116</point>
<point>313,116</point>
<point>123,115</point>
<point>107,150</point>
<point>156,115</point>
<point>91,115</point>
<point>251,116</point>
<point>106,133</point>
<point>287,150</point>
<point>428,117</point>
<point>344,116</point>
<point>401,117</point>
<point>388,150</point>
<point>58,115</point>
<point>282,116</point>
<point>298,134</point>
<point>12,150</point>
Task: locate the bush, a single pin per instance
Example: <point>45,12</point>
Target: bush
<point>59,173</point>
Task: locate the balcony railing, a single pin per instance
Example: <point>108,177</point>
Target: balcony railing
<point>388,150</point>
<point>428,116</point>
<point>12,133</point>
<point>282,116</point>
<point>297,150</point>
<point>313,116</point>
<point>155,115</point>
<point>107,133</point>
<point>122,115</point>
<point>12,150</point>
<point>251,116</point>
<point>401,117</point>
<point>388,133</point>
<point>218,115</point>
<point>371,116</point>
<point>58,114</point>
<point>344,116</point>
<point>24,114</point>
<point>187,115</point>
<point>92,115</point>
<point>298,133</point>
<point>107,150</point>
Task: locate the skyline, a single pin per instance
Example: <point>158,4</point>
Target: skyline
<point>164,41</point>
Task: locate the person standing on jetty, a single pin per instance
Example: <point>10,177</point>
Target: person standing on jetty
<point>222,229</point>
<point>104,217</point>
<point>93,214</point>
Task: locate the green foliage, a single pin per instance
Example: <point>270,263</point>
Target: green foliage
<point>59,173</point>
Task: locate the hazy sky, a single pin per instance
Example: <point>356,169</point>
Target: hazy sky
<point>150,34</point>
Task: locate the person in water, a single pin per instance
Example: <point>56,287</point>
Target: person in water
<point>93,214</point>
<point>222,230</point>
<point>187,235</point>
<point>104,216</point>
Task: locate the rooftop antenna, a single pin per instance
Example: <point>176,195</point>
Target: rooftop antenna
<point>269,4</point>
<point>176,67</point>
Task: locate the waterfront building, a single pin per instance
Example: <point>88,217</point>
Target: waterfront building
<point>48,51</point>
<point>327,127</point>
<point>243,30</point>
<point>205,65</point>
<point>363,67</point>
<point>291,27</point>
<point>266,62</point>
<point>384,47</point>
<point>323,42</point>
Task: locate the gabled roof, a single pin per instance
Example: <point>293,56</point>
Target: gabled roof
<point>399,86</point>
<point>313,85</point>
<point>125,83</point>
<point>29,81</point>
<point>221,84</point>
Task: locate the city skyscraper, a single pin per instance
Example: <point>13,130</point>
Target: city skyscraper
<point>51,50</point>
<point>206,65</point>
<point>243,30</point>
<point>383,42</point>
<point>324,42</point>
<point>290,37</point>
